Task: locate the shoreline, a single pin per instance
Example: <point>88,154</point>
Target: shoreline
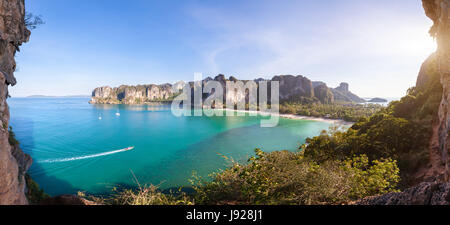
<point>286,116</point>
<point>296,117</point>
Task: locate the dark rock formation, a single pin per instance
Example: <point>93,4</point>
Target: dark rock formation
<point>67,200</point>
<point>13,162</point>
<point>294,87</point>
<point>423,194</point>
<point>324,94</point>
<point>343,87</point>
<point>343,94</point>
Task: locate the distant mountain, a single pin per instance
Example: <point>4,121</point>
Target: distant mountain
<point>343,94</point>
<point>378,100</point>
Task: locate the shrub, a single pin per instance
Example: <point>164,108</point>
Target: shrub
<point>290,178</point>
<point>148,195</point>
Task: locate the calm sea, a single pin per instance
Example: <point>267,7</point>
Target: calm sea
<point>77,146</point>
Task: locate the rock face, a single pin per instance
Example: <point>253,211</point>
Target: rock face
<point>294,87</point>
<point>132,94</point>
<point>423,194</point>
<point>439,12</point>
<point>324,94</point>
<point>343,94</point>
<point>13,162</point>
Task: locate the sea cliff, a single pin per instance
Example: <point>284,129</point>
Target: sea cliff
<point>139,94</point>
<point>13,162</point>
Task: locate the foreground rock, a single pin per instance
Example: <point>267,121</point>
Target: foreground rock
<point>13,162</point>
<point>423,194</point>
<point>67,200</point>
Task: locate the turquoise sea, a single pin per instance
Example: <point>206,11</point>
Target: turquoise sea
<point>75,145</point>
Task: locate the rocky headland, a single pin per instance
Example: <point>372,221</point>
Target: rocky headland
<point>130,95</point>
<point>292,88</point>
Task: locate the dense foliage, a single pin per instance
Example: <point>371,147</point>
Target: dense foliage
<point>349,112</point>
<point>291,178</point>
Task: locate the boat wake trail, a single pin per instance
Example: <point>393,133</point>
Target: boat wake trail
<point>87,156</point>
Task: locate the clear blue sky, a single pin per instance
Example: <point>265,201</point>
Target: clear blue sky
<point>375,45</point>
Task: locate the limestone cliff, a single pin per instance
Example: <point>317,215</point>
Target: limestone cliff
<point>324,94</point>
<point>292,88</point>
<point>439,12</point>
<point>139,94</point>
<point>343,94</point>
<point>13,162</point>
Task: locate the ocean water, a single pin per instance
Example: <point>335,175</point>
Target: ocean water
<point>74,150</point>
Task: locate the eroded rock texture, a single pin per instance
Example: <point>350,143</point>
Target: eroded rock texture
<point>439,12</point>
<point>423,194</point>
<point>13,162</point>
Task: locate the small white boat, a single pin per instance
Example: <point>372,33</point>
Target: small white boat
<point>117,114</point>
<point>100,118</point>
<point>128,149</point>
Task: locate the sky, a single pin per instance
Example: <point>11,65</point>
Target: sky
<point>377,46</point>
